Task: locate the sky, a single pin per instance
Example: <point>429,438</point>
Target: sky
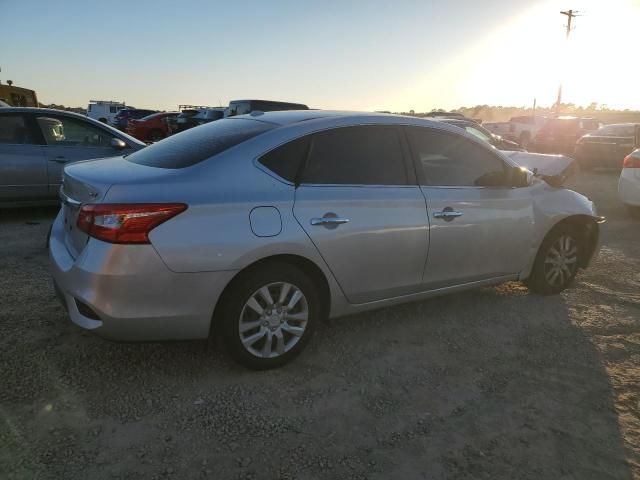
<point>396,55</point>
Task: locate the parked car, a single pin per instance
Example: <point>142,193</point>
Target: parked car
<point>607,146</point>
<point>629,183</point>
<point>195,116</point>
<point>483,134</point>
<point>241,107</point>
<point>104,110</point>
<point>559,135</point>
<point>36,143</point>
<point>151,128</point>
<point>520,129</point>
<point>254,228</point>
<point>121,120</point>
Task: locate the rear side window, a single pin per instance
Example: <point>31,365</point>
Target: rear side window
<point>363,155</point>
<point>197,144</point>
<point>14,130</point>
<point>285,160</point>
<point>452,161</point>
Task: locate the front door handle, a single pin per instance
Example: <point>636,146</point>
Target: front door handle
<point>447,214</point>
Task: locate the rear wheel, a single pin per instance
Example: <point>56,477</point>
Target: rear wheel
<point>269,315</point>
<point>556,264</point>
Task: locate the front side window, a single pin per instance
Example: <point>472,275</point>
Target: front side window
<point>113,109</point>
<point>450,160</point>
<point>70,132</point>
<point>362,155</point>
<point>14,130</point>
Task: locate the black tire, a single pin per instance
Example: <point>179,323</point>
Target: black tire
<point>156,135</point>
<point>234,304</point>
<point>542,280</point>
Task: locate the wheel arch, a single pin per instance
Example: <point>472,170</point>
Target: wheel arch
<point>587,227</point>
<point>307,266</point>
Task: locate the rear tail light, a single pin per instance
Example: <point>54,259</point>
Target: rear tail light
<point>125,223</point>
<point>631,161</point>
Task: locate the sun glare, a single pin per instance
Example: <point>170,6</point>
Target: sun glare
<point>528,57</point>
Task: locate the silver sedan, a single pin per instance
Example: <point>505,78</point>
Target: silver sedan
<point>254,228</point>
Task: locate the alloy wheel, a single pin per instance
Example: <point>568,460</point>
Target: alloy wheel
<point>273,320</point>
<point>561,262</point>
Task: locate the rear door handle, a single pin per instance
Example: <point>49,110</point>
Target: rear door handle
<point>329,221</point>
<point>59,159</point>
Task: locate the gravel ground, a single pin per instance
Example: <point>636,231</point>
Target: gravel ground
<point>492,383</point>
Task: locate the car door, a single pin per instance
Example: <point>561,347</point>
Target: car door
<point>68,139</point>
<point>480,227</point>
<point>23,169</point>
<point>360,205</point>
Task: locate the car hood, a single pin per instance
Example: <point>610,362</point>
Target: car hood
<point>554,169</point>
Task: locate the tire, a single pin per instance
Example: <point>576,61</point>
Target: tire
<point>270,339</point>
<point>156,135</point>
<point>552,273</point>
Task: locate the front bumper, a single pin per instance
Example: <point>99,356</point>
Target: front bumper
<point>134,295</point>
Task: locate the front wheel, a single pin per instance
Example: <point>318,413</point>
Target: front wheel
<point>269,316</point>
<point>556,264</point>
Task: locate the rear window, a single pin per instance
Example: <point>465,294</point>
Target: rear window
<point>617,131</point>
<point>197,144</point>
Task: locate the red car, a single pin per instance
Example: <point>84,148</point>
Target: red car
<point>151,128</point>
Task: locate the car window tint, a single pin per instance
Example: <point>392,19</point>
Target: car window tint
<point>14,130</point>
<point>69,132</point>
<point>197,144</point>
<point>448,159</point>
<point>286,159</point>
<point>617,130</point>
<point>363,155</point>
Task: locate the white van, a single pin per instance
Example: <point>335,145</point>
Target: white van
<point>104,110</point>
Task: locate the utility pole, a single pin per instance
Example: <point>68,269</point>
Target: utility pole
<point>569,14</point>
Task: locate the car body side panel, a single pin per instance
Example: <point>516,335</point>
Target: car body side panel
<point>491,238</point>
<point>23,173</point>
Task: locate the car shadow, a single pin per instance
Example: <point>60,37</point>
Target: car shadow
<point>491,383</point>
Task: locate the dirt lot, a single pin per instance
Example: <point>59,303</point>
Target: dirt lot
<point>493,383</point>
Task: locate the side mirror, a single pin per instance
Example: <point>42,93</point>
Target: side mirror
<point>117,144</point>
<point>521,177</point>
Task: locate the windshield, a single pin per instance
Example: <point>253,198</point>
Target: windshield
<point>197,144</point>
<point>616,131</point>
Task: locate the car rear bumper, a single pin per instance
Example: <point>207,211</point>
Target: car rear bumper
<point>127,293</point>
<point>629,186</point>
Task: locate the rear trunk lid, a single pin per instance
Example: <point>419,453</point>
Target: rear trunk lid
<point>88,182</point>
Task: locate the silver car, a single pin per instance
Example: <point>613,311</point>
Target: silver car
<point>254,228</point>
<point>36,144</point>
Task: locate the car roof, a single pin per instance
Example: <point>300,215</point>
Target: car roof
<point>288,117</point>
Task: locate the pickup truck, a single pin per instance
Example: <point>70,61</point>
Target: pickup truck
<point>519,129</point>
